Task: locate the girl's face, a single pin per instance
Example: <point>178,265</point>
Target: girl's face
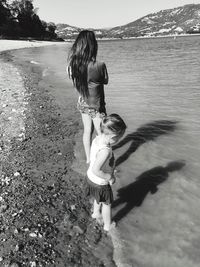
<point>113,138</point>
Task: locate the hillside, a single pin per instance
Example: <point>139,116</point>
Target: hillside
<point>170,21</point>
<point>180,20</point>
<point>66,31</point>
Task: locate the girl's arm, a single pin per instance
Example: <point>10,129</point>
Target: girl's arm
<point>101,157</point>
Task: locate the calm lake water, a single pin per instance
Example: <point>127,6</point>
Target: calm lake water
<point>155,86</point>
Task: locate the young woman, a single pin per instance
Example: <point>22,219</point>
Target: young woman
<point>88,76</point>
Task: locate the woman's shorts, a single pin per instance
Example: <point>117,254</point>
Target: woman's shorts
<point>83,107</point>
<point>101,193</point>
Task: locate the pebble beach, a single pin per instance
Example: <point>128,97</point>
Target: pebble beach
<point>44,217</point>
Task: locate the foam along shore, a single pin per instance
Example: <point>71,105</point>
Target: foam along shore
<point>17,44</point>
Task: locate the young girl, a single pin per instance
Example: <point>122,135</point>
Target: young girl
<point>100,174</point>
<point>88,76</point>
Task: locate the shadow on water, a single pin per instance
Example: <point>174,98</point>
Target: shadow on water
<point>133,194</point>
<point>143,134</point>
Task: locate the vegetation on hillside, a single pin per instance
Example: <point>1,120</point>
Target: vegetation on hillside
<point>19,19</point>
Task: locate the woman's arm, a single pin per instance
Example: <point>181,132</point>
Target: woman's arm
<point>105,74</point>
<point>101,158</point>
<point>69,71</point>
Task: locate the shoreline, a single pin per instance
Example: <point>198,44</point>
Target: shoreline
<point>47,217</point>
<point>8,45</point>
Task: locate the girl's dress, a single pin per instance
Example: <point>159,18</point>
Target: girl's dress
<point>96,186</point>
<point>94,105</point>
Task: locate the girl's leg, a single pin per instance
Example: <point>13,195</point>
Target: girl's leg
<point>96,210</point>
<point>106,213</point>
<point>87,134</point>
<point>97,121</point>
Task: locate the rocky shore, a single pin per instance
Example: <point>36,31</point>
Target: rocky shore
<point>44,216</point>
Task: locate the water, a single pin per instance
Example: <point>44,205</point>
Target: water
<point>155,83</point>
<point>154,86</point>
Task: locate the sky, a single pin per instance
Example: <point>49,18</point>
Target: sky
<point>101,13</point>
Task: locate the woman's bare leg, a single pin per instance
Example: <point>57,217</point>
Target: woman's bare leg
<point>97,122</point>
<point>87,134</point>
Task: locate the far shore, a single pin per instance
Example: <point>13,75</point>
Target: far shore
<point>17,44</point>
<point>142,37</point>
<point>149,37</point>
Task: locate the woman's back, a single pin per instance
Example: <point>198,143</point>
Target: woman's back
<point>97,77</point>
<point>97,73</point>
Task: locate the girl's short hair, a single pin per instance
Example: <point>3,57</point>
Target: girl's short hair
<point>113,123</point>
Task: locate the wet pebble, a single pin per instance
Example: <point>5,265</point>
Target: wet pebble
<point>16,231</point>
<point>3,208</point>
<point>73,207</point>
<point>78,229</point>
<point>32,264</point>
<point>33,235</point>
<point>14,264</point>
<point>16,174</point>
<point>17,247</point>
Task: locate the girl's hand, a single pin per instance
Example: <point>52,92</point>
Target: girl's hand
<point>115,174</point>
<point>112,180</point>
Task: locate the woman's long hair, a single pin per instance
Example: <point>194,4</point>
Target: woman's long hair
<point>83,51</point>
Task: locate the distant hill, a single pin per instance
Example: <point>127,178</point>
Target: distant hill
<point>66,31</point>
<point>170,21</point>
<point>180,20</point>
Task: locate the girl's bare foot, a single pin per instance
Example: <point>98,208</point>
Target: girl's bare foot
<point>109,227</point>
<point>98,218</point>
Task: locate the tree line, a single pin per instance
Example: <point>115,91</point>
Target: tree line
<point>19,19</point>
